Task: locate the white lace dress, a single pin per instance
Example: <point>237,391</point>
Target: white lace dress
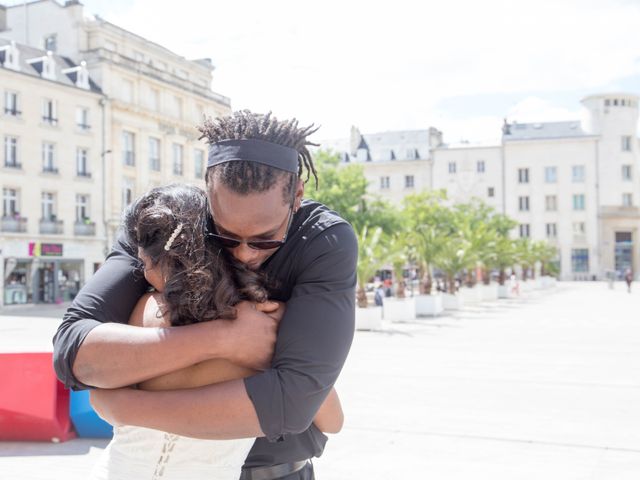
<point>142,453</point>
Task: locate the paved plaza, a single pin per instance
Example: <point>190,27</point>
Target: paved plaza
<point>542,387</point>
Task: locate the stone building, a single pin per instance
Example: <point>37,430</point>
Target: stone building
<point>52,229</point>
<point>575,184</point>
<point>133,128</point>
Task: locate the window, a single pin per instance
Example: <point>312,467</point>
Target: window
<point>552,230</point>
<point>408,181</point>
<point>48,206</point>
<point>491,192</point>
<point>11,152</point>
<point>550,174</point>
<point>627,172</point>
<point>51,42</point>
<point>385,183</point>
<point>523,204</point>
<point>126,91</point>
<point>154,99</point>
<point>523,175</point>
<point>82,208</point>
<point>525,230</point>
<point>49,114</point>
<point>128,148</point>
<point>626,143</point>
<point>577,173</point>
<point>11,104</point>
<point>177,107</point>
<point>579,229</point>
<point>9,202</point>
<point>82,162</point>
<point>177,159</point>
<point>82,118</point>
<point>607,103</point>
<point>48,157</point>
<point>154,154</point>
<point>198,163</point>
<point>578,201</point>
<point>480,166</point>
<point>579,260</point>
<point>627,200</point>
<point>551,203</point>
<point>127,192</point>
<point>452,167</point>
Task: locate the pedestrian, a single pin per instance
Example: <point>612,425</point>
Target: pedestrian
<point>628,277</point>
<point>257,169</point>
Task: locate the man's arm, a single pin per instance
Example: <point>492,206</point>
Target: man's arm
<point>94,346</point>
<point>313,341</point>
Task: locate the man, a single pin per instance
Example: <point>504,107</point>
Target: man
<point>308,255</point>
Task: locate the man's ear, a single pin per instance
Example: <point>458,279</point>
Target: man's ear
<point>299,195</point>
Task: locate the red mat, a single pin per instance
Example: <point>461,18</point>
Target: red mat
<point>34,405</point>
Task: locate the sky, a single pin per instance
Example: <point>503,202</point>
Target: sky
<point>461,66</point>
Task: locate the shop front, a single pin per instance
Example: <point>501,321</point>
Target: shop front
<point>45,276</point>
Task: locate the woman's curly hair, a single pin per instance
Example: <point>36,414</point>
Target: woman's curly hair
<point>203,281</point>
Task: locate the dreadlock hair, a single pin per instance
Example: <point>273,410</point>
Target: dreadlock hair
<point>203,281</point>
<point>244,176</point>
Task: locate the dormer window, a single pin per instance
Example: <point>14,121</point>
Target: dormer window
<point>83,76</point>
<point>11,56</point>
<point>49,67</point>
<point>51,42</point>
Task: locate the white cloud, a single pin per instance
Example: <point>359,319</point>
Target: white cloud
<point>386,65</point>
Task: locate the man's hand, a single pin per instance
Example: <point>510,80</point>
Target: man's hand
<point>251,337</point>
<point>272,308</point>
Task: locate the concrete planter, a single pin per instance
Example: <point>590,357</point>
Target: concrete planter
<point>451,302</point>
<point>470,295</point>
<point>368,318</point>
<point>399,309</point>
<point>548,282</point>
<point>526,287</point>
<point>489,292</point>
<point>504,291</point>
<point>428,305</point>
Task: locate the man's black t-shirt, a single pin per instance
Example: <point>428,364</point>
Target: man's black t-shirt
<point>313,272</point>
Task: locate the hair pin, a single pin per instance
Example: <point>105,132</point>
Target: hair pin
<point>173,236</point>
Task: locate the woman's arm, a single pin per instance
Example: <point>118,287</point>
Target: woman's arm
<point>330,417</point>
<point>147,313</point>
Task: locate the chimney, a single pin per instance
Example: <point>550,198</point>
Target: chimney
<point>3,18</point>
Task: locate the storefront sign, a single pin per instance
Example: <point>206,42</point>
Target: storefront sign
<point>37,249</point>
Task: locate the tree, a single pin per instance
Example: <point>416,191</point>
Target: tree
<point>425,218</point>
<point>370,252</point>
<point>343,188</point>
<point>504,248</point>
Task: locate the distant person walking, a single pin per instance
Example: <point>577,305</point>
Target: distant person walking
<point>628,277</point>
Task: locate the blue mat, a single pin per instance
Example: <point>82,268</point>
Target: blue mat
<point>84,418</point>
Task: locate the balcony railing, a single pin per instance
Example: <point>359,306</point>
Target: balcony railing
<point>13,224</point>
<point>14,112</point>
<point>48,226</point>
<point>50,170</point>
<point>83,126</point>
<point>16,165</point>
<point>84,228</point>
<point>84,174</point>
<point>50,120</point>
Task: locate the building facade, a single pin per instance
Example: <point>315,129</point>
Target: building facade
<point>155,98</point>
<point>142,121</point>
<point>574,184</point>
<point>52,227</point>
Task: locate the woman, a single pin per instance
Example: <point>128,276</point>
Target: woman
<point>193,280</point>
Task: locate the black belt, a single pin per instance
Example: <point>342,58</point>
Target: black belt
<point>274,472</point>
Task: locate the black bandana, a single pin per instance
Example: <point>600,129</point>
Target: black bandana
<point>260,151</point>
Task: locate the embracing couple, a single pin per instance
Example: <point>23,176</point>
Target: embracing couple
<point>245,294</point>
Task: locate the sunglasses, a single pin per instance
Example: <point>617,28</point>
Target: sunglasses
<point>229,242</point>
